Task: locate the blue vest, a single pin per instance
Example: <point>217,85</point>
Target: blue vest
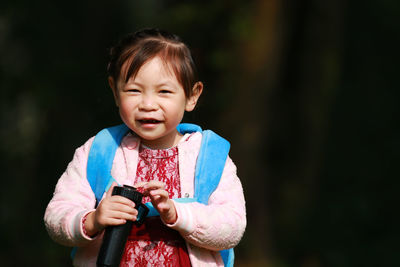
<point>209,166</point>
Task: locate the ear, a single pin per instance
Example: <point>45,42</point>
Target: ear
<point>192,101</point>
<point>114,89</point>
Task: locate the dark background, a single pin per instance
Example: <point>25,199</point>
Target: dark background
<point>306,91</point>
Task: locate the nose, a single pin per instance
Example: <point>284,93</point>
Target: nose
<point>147,103</point>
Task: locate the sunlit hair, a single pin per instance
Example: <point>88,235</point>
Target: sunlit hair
<point>137,48</point>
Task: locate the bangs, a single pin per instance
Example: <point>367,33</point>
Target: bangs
<point>175,57</point>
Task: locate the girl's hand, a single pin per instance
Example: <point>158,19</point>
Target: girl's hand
<point>112,210</point>
<point>160,200</point>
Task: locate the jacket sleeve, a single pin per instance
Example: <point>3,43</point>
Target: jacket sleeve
<point>72,200</point>
<point>220,224</point>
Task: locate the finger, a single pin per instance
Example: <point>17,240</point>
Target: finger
<point>109,192</point>
<point>123,215</point>
<point>114,221</point>
<point>154,185</point>
<point>121,200</point>
<point>116,204</point>
<point>165,206</point>
<point>158,195</point>
<point>159,192</point>
<point>119,207</point>
<point>140,184</point>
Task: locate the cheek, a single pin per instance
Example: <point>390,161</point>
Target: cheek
<point>178,111</point>
<point>126,107</point>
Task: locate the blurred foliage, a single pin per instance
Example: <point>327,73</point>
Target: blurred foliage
<point>306,91</point>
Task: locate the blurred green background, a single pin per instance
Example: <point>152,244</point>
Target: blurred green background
<point>306,91</point>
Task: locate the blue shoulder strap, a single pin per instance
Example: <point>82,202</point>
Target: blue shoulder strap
<point>210,162</point>
<point>209,166</point>
<point>101,157</point>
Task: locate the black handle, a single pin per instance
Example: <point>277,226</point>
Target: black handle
<point>115,237</point>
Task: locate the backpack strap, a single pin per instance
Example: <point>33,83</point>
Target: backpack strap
<point>101,157</point>
<point>210,165</point>
<point>209,168</point>
<point>210,162</point>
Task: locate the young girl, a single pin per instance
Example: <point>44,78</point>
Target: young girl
<point>153,80</point>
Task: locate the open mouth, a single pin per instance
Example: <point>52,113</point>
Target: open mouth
<point>149,121</point>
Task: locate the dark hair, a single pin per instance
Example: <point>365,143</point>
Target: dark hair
<point>139,47</point>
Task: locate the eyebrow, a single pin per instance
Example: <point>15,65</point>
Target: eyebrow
<point>135,83</point>
<point>163,83</point>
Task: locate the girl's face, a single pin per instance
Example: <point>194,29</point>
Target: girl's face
<point>153,103</point>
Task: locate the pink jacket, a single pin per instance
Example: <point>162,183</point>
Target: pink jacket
<point>206,228</point>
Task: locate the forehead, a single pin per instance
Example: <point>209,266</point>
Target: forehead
<point>153,68</point>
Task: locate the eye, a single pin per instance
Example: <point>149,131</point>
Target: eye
<point>133,90</point>
<point>165,91</point>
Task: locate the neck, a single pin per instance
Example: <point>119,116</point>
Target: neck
<point>164,142</point>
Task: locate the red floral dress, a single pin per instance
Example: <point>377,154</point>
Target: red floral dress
<point>153,243</point>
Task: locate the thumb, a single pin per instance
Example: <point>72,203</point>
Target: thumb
<point>109,192</point>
